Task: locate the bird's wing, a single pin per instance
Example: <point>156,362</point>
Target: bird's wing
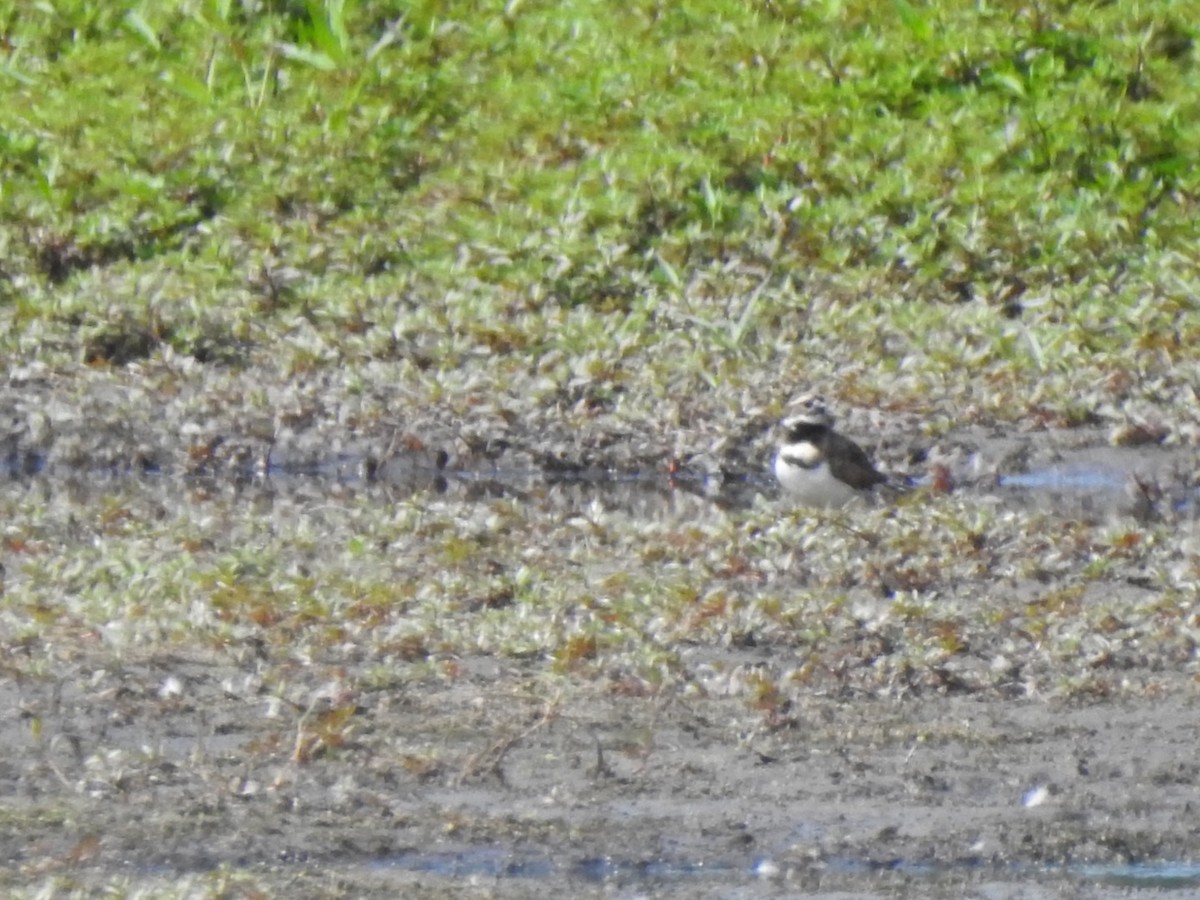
<point>848,462</point>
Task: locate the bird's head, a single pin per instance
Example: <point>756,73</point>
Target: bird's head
<point>807,409</point>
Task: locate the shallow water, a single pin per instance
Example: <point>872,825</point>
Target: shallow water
<point>505,863</point>
<point>1077,479</point>
<point>1070,488</point>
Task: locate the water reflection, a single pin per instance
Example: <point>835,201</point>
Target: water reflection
<point>1070,490</point>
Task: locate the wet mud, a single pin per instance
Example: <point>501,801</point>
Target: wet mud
<point>222,767</point>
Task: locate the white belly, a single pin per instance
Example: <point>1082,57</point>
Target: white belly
<point>815,486</point>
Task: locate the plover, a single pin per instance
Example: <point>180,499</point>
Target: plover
<point>815,464</point>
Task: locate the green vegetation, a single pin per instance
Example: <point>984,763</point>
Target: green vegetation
<point>1015,182</point>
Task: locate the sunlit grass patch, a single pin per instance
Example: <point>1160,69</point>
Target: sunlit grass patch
<point>950,154</point>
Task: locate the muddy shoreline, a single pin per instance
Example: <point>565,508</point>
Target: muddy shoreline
<point>764,761</point>
<point>533,795</point>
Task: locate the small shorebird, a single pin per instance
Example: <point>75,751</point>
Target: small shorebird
<point>815,464</point>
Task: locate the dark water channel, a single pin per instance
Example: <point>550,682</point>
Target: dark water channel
<point>1072,488</point>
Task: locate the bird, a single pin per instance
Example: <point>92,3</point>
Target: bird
<point>815,464</point>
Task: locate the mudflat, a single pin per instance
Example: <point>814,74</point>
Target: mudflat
<point>476,673</point>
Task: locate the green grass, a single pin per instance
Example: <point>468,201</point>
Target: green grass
<point>985,213</point>
<point>199,175</point>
